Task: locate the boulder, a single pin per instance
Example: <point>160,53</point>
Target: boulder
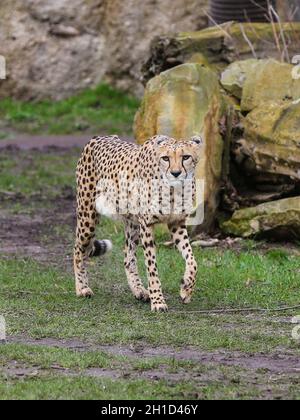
<point>49,53</point>
<point>234,77</point>
<point>269,81</point>
<point>219,46</point>
<point>55,48</point>
<point>271,142</point>
<point>280,217</point>
<point>256,82</point>
<point>183,102</point>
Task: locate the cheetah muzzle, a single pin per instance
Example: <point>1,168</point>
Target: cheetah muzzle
<point>142,186</point>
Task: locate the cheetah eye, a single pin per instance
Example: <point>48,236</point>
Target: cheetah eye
<point>166,158</point>
<point>186,157</point>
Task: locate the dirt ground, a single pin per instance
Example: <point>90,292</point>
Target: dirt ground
<point>274,363</point>
<point>46,142</point>
<point>22,234</point>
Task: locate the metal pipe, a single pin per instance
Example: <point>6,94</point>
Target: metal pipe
<point>239,10</point>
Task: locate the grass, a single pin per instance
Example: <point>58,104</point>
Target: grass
<point>50,373</point>
<point>102,110</point>
<point>44,174</point>
<point>45,357</point>
<point>84,388</point>
<point>90,389</point>
<point>37,299</point>
<point>45,305</point>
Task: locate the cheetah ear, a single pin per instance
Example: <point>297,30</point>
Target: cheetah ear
<point>160,139</point>
<point>197,140</point>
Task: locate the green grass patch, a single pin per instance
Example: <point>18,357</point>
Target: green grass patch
<point>55,373</point>
<point>99,111</point>
<point>39,301</point>
<point>40,173</point>
<point>82,388</point>
<point>206,383</point>
<point>45,357</point>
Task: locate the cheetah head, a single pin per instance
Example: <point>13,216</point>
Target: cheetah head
<point>177,159</point>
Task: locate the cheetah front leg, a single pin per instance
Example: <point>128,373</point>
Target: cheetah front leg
<point>157,300</point>
<point>132,235</point>
<point>181,240</point>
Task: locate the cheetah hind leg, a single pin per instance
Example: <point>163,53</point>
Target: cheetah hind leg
<point>99,248</point>
<point>85,247</point>
<point>137,288</point>
<point>181,240</point>
<point>83,251</point>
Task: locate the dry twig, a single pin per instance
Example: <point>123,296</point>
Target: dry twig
<point>227,34</point>
<point>248,41</point>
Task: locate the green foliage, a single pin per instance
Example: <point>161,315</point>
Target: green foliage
<point>40,301</point>
<point>37,173</point>
<point>100,110</point>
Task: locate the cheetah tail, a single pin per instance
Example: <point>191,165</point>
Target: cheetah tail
<point>101,248</point>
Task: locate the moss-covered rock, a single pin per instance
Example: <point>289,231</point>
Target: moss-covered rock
<point>256,82</point>
<point>276,217</point>
<point>218,46</point>
<point>183,102</point>
<point>269,81</point>
<point>234,77</point>
<point>271,142</point>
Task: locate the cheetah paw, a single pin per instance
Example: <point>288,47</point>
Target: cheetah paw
<point>142,294</point>
<point>185,296</point>
<point>86,293</point>
<point>159,307</point>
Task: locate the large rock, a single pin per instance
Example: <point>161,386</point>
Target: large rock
<point>183,102</point>
<point>221,45</point>
<point>55,48</point>
<point>52,48</point>
<point>277,217</point>
<point>271,143</point>
<point>233,79</point>
<point>269,81</point>
<point>257,82</point>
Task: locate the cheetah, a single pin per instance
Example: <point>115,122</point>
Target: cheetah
<point>105,173</point>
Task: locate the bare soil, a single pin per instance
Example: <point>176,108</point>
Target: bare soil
<point>33,235</point>
<point>273,363</point>
<point>45,142</point>
<point>270,375</point>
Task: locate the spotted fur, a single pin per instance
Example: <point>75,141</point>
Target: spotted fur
<point>104,158</point>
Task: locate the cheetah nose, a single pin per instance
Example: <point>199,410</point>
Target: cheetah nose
<point>176,173</point>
